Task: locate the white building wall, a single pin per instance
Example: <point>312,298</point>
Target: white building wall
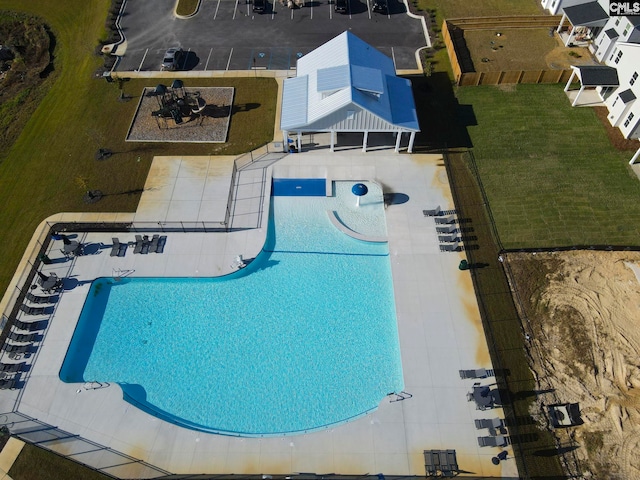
<point>628,68</point>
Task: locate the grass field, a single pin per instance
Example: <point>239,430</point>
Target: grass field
<point>39,176</point>
<point>550,173</point>
<point>49,467</point>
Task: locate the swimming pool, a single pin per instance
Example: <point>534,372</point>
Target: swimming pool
<point>302,338</point>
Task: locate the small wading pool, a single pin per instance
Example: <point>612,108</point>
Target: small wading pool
<point>302,338</point>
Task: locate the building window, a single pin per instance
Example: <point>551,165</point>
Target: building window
<point>634,77</point>
<point>613,53</point>
<point>618,57</point>
<point>626,30</point>
<point>617,21</point>
<point>628,120</point>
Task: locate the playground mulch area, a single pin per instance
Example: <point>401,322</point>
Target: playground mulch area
<point>152,121</point>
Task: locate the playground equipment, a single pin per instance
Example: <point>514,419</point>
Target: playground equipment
<point>177,104</point>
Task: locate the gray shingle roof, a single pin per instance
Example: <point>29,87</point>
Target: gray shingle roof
<point>587,14</point>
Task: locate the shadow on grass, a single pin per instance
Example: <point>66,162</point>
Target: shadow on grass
<point>443,121</point>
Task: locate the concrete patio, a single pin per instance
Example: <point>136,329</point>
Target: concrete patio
<point>438,322</point>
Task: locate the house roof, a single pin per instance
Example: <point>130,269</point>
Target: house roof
<point>627,96</point>
<point>343,76</point>
<point>586,14</point>
<point>597,75</point>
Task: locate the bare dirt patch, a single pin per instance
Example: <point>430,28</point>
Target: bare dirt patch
<point>522,49</point>
<point>582,310</point>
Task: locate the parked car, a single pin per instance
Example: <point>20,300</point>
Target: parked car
<point>380,6</point>
<point>172,58</point>
<point>259,6</point>
<point>341,6</point>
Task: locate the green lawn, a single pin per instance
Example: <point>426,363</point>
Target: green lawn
<point>49,467</point>
<point>550,173</point>
<point>82,113</point>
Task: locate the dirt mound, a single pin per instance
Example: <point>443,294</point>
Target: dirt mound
<point>582,311</point>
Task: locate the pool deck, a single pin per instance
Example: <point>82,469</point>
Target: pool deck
<point>438,322</point>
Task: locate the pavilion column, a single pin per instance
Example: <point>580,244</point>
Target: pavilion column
<point>412,138</point>
<point>570,36</point>
<point>575,100</point>
<point>568,85</point>
<point>333,140</point>
<point>564,17</point>
<point>364,140</point>
<point>299,141</point>
<point>398,139</point>
<point>285,140</point>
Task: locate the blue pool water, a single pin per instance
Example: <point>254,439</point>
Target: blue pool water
<point>302,338</point>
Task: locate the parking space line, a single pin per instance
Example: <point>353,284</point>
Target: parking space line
<point>369,9</point>
<point>143,57</point>
<point>393,57</point>
<point>273,9</point>
<point>217,7</point>
<point>229,60</point>
<point>330,11</point>
<point>311,5</point>
<point>235,9</point>
<point>206,65</point>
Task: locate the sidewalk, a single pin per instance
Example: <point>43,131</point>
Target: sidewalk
<point>8,456</point>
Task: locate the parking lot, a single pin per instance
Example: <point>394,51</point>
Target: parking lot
<point>229,35</point>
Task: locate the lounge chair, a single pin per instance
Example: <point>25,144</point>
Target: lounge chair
<point>23,337</point>
<point>39,299</point>
<point>161,243</point>
<point>432,213</point>
<point>450,237</point>
<point>497,441</point>
<point>139,244</point>
<point>13,348</point>
<point>30,326</point>
<point>446,229</point>
<point>449,247</point>
<point>7,384</point>
<point>12,367</point>
<point>153,246</point>
<point>115,248</point>
<point>145,245</point>
<point>33,310</point>
<point>475,373</point>
<point>444,220</point>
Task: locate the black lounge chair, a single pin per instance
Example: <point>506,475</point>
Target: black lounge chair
<point>41,299</point>
<point>33,310</point>
<point>161,243</point>
<point>13,348</point>
<point>8,384</point>
<point>30,326</point>
<point>449,247</point>
<point>153,246</point>
<point>432,213</point>
<point>23,337</point>
<point>115,248</point>
<point>139,244</point>
<point>444,220</point>
<point>446,229</point>
<point>497,441</point>
<point>145,245</point>
<point>12,367</point>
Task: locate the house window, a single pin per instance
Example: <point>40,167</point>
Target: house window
<point>628,120</point>
<point>617,21</point>
<point>553,5</point>
<point>613,53</point>
<point>618,57</point>
<point>626,29</point>
<point>634,77</point>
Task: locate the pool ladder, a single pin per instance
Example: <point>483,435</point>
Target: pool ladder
<point>400,396</point>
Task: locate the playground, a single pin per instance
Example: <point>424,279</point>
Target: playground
<point>176,113</point>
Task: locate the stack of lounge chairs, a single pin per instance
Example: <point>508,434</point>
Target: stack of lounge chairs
<point>446,228</point>
<point>144,245</point>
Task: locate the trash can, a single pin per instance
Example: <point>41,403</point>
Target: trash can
<point>44,258</point>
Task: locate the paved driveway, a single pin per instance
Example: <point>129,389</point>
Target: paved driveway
<point>228,35</point>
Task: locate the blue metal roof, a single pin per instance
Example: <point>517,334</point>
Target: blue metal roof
<point>367,79</point>
<point>333,78</point>
<point>294,102</point>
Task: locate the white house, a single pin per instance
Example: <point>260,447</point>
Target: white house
<point>346,85</point>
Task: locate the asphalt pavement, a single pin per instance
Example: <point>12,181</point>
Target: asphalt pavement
<point>229,35</point>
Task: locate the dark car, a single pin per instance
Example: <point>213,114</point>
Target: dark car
<point>380,6</point>
<point>172,58</point>
<point>341,6</point>
<point>259,6</point>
